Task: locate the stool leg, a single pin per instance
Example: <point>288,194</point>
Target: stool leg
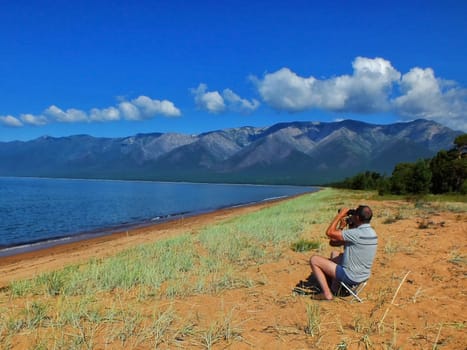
<point>352,292</point>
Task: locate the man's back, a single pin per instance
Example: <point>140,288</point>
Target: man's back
<point>359,252</point>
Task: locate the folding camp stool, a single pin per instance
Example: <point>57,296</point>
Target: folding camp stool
<point>355,289</point>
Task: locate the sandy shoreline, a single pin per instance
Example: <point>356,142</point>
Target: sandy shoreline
<point>31,263</point>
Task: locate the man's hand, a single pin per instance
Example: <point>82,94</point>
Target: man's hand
<point>343,212</point>
<point>334,232</point>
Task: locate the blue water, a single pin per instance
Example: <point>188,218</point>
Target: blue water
<point>36,210</point>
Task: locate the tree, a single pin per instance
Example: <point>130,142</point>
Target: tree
<point>445,172</point>
<point>420,181</point>
<point>449,168</point>
<point>460,173</point>
<point>463,189</point>
<point>365,181</point>
<point>384,186</point>
<point>442,172</point>
<point>369,180</point>
<point>401,178</point>
<point>460,141</point>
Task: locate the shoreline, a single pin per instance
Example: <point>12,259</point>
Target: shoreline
<point>26,247</point>
<point>43,229</point>
<point>29,264</point>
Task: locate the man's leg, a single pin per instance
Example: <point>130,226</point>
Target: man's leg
<point>336,257</point>
<point>322,268</point>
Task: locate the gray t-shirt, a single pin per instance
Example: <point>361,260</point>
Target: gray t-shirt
<point>359,252</point>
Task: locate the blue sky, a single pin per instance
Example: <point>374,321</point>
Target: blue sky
<point>117,68</point>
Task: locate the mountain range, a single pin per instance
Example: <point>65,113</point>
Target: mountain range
<point>285,153</point>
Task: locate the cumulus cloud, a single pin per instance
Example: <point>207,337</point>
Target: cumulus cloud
<point>210,101</point>
<point>238,104</point>
<point>285,90</point>
<point>144,107</point>
<point>71,115</point>
<point>105,114</point>
<point>149,107</point>
<point>129,111</point>
<point>37,120</point>
<point>425,96</point>
<point>140,108</point>
<point>375,86</point>
<point>10,121</point>
<point>365,91</point>
<point>215,102</point>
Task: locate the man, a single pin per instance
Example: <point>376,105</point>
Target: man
<point>360,242</point>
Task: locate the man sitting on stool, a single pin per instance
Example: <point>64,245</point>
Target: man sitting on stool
<point>360,241</point>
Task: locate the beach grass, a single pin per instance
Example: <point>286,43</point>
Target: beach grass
<point>114,298</point>
<point>250,239</point>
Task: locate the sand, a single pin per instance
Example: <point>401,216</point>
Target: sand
<point>416,298</point>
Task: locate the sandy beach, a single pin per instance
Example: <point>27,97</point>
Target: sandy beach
<point>415,299</point>
<point>30,264</point>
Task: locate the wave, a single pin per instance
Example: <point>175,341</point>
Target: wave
<point>32,246</point>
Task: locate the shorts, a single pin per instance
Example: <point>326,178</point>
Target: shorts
<point>342,277</point>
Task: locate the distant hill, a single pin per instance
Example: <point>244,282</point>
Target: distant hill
<point>286,153</point>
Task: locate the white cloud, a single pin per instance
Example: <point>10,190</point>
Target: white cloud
<point>149,107</point>
<point>140,108</point>
<point>370,86</point>
<point>237,104</point>
<point>375,86</point>
<point>105,114</point>
<point>144,107</point>
<point>365,91</point>
<point>37,120</point>
<point>129,111</point>
<point>210,101</point>
<point>168,109</point>
<point>285,90</point>
<point>215,102</point>
<point>10,121</point>
<point>425,96</point>
<point>71,115</point>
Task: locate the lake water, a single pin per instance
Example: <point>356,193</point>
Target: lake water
<point>35,212</point>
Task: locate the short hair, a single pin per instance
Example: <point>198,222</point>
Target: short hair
<point>364,213</point>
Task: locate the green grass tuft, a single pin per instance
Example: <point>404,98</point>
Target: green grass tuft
<point>304,245</point>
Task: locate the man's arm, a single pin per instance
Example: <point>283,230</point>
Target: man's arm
<point>334,231</point>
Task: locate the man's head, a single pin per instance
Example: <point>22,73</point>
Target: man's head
<point>364,214</point>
